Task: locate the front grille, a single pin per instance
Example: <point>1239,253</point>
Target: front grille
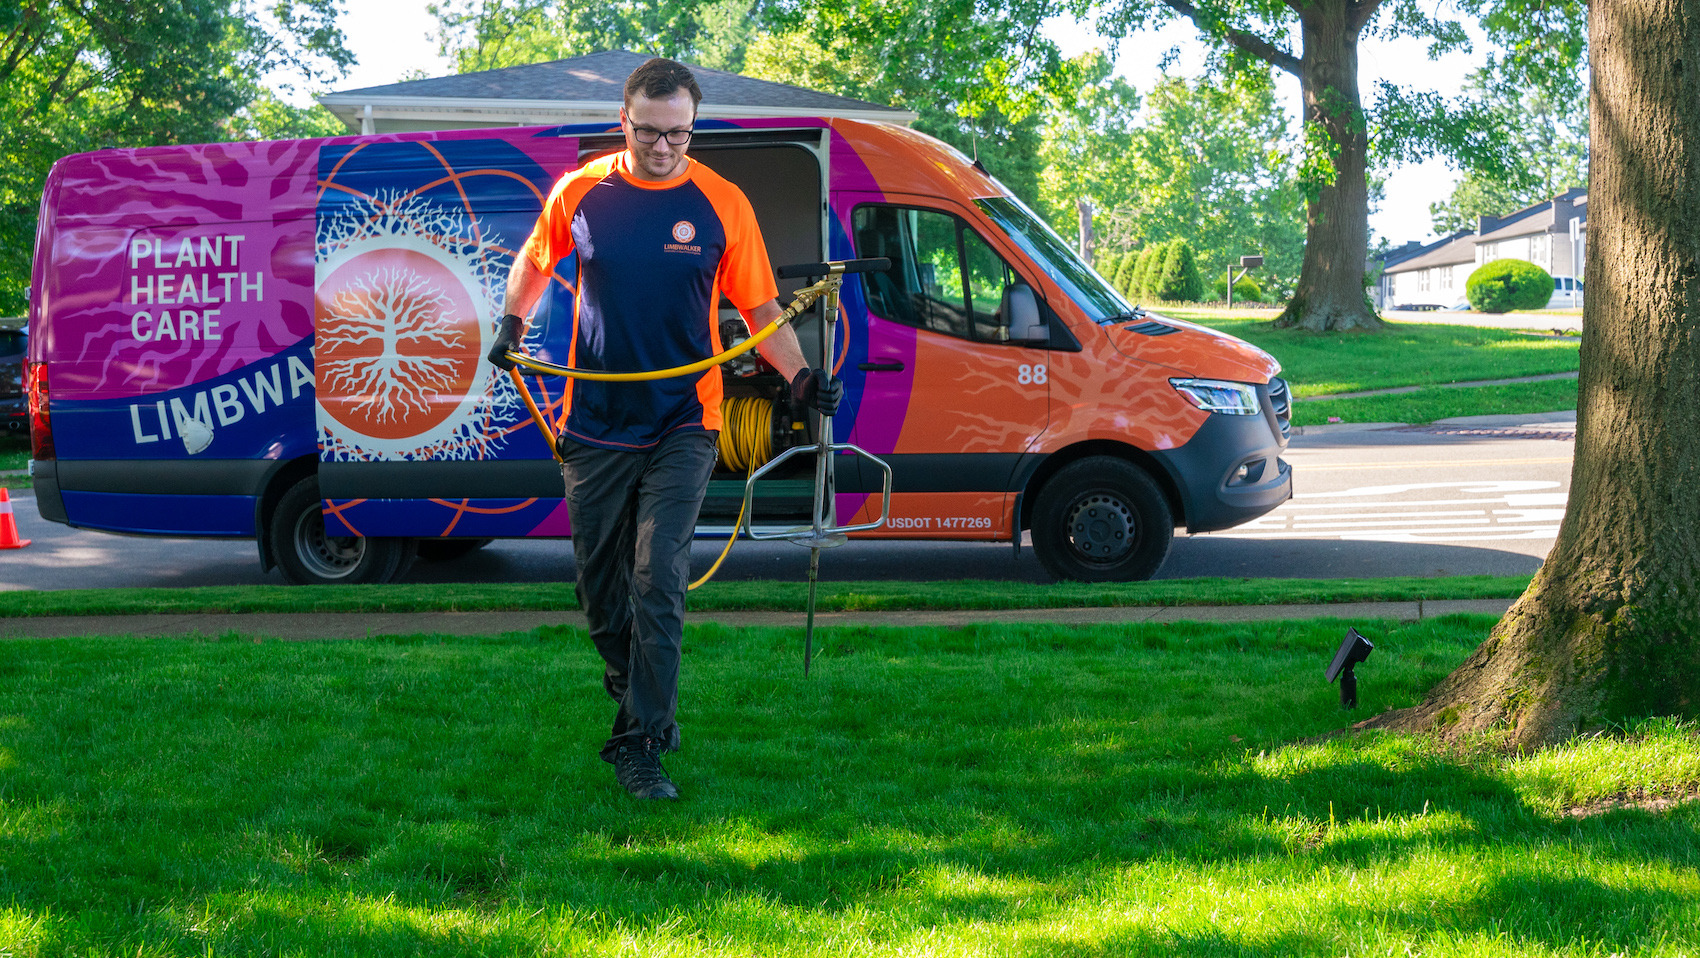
<point>1281,402</point>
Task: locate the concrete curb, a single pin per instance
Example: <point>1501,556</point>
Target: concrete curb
<point>366,625</point>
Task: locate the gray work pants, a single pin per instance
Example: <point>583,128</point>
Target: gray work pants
<point>633,515</point>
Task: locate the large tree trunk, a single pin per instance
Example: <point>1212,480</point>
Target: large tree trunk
<point>1330,292</point>
<point>1610,628</point>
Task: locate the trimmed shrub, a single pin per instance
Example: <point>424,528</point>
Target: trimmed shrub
<point>1154,269</point>
<point>1107,264</point>
<point>1507,284</point>
<point>1134,270</point>
<point>1246,289</point>
<point>1125,277</point>
<point>1124,268</point>
<point>1180,282</point>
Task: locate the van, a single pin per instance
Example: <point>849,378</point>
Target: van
<point>284,341</point>
<point>1566,293</point>
<point>13,422</point>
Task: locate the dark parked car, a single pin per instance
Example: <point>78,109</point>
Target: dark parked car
<point>14,418</point>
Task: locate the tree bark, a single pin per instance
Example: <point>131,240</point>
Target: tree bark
<point>1609,630</point>
<point>1330,290</point>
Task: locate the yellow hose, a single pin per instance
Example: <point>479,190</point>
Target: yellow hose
<point>746,438</point>
<point>805,298</point>
<point>746,443</point>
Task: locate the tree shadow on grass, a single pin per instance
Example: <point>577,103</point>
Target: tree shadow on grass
<point>363,818</point>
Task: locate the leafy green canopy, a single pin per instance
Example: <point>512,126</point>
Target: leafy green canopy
<point>1546,118</point>
<point>1345,140</point>
<point>1208,160</point>
<point>977,74</point>
<point>113,73</point>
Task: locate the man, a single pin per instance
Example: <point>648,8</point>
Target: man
<point>659,239</point>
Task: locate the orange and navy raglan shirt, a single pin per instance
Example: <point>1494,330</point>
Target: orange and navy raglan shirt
<point>653,260</point>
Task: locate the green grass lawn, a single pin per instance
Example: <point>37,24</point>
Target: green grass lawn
<point>1406,354</point>
<point>1440,402</point>
<point>14,453</point>
<point>762,595</point>
<point>991,791</point>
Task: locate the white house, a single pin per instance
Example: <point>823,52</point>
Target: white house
<point>1552,235</point>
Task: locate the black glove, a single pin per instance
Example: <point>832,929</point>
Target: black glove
<point>818,389</point>
<point>508,337</point>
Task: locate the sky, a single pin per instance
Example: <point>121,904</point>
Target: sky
<point>391,39</point>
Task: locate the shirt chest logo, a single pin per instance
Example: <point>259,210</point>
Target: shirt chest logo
<point>683,232</point>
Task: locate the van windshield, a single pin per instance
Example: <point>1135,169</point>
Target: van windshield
<point>1056,258</point>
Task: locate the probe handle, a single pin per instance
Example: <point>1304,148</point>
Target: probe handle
<point>876,265</point>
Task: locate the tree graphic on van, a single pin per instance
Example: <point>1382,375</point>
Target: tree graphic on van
<point>390,344</point>
<point>405,298</point>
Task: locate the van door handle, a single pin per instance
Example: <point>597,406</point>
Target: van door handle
<point>883,366</point>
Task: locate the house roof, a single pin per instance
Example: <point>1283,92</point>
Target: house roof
<point>581,89</point>
<point>1547,216</point>
<point>1460,247</point>
<point>1540,218</point>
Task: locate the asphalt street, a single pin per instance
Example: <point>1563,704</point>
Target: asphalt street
<point>1457,498</point>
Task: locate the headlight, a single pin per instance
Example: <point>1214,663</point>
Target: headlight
<point>1216,395</point>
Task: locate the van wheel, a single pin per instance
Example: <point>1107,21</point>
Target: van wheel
<point>306,556</point>
<point>1102,519</point>
<point>442,550</point>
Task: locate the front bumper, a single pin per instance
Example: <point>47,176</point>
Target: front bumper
<point>1231,471</point>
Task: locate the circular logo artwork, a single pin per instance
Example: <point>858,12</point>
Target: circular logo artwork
<point>683,231</point>
<point>398,346</point>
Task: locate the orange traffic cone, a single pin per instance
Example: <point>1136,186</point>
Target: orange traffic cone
<point>8,525</point>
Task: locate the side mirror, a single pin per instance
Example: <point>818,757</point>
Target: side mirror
<point>1020,312</point>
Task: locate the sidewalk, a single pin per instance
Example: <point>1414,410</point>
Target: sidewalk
<point>364,625</point>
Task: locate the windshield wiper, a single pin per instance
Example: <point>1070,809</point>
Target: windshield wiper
<point>1135,315</point>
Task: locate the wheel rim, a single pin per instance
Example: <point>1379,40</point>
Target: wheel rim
<point>1101,528</point>
<point>328,557</point>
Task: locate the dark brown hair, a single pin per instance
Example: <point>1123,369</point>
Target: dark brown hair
<point>659,78</point>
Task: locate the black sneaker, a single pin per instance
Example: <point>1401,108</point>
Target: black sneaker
<point>638,770</point>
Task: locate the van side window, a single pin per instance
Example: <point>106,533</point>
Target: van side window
<point>943,276</point>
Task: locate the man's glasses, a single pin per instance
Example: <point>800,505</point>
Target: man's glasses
<point>646,135</point>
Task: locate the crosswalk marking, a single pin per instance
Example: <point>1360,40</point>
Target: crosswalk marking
<point>1403,512</point>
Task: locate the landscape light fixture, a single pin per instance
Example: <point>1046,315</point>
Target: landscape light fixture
<point>1353,650</point>
<point>1247,264</point>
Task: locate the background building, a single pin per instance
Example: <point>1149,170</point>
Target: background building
<point>1553,235</point>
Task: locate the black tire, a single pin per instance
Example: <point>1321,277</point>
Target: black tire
<point>306,556</point>
<point>442,550</point>
<point>1102,519</point>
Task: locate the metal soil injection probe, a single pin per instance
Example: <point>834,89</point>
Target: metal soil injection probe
<point>821,534</point>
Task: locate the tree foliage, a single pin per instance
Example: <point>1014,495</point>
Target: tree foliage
<point>102,73</point>
<point>1545,119</point>
<point>978,73</point>
<point>1342,136</point>
<point>268,117</point>
<point>1209,160</point>
<point>488,34</point>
